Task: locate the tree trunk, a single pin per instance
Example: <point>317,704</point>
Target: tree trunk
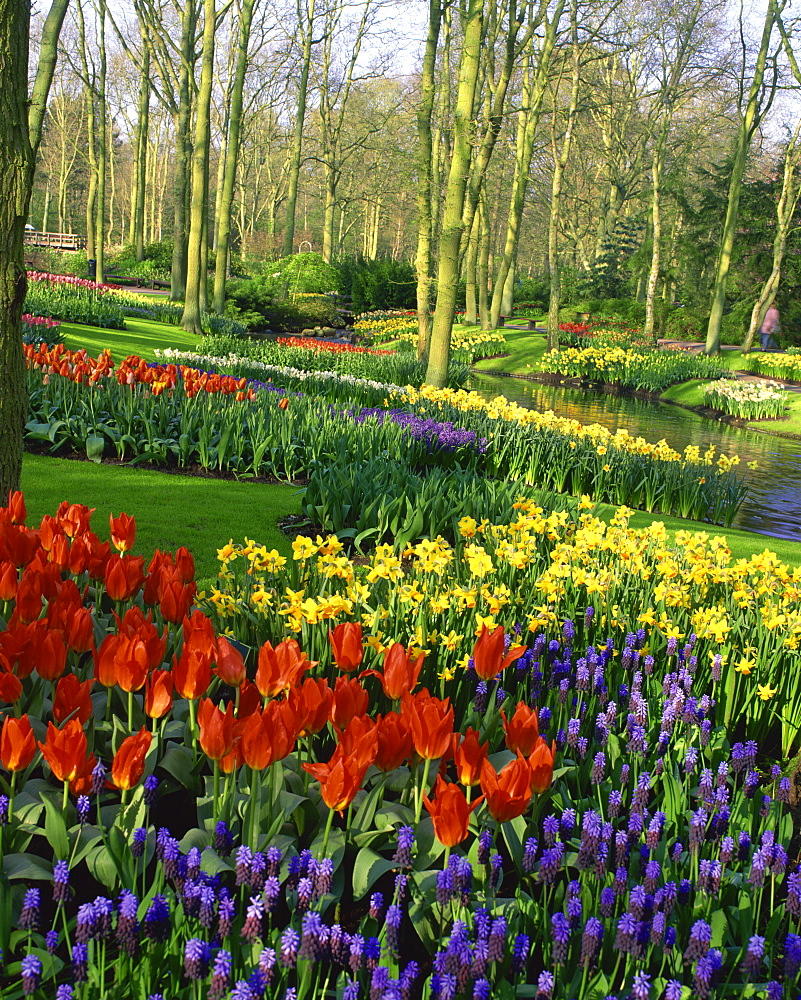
<point>195,273</point>
<point>306,26</point>
<point>140,160</point>
<point>102,145</point>
<point>534,88</point>
<point>231,157</point>
<point>560,162</point>
<point>753,115</point>
<point>452,221</point>
<point>48,54</point>
<point>471,260</point>
<point>16,181</point>
<point>483,263</point>
<point>183,148</point>
<point>424,179</point>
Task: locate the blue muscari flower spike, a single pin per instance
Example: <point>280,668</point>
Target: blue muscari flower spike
<point>51,941</point>
<point>31,974</point>
<point>64,992</point>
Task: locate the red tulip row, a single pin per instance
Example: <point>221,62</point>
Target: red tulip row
<point>82,369</point>
<point>259,720</point>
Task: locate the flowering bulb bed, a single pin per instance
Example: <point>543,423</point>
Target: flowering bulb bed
<point>649,370</point>
<point>747,400</point>
<point>556,803</point>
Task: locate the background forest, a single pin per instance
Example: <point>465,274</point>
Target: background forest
<point>593,127</point>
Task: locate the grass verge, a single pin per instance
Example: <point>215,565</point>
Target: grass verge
<point>140,336</point>
<point>170,510</point>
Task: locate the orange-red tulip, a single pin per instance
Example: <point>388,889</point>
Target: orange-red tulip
<point>469,758</point>
<point>51,655</point>
<point>216,728</point>
<point>508,793</point>
<point>185,564</point>
<point>74,518</point>
<point>280,668</point>
<point>136,625</point>
<point>400,671</point>
<point>123,531</point>
<point>73,699</point>
<point>394,741</point>
<point>522,730</point>
<point>16,507</point>
<point>249,700</point>
<point>488,653</point>
<point>175,598</point>
<point>29,596</point>
<point>9,581</point>
<point>10,684</point>
<point>450,812</point>
<point>124,576</point>
<point>340,779</point>
<point>430,721</point>
<point>128,765</point>
<point>158,694</point>
<point>541,762</point>
<point>191,673</point>
<point>131,663</point>
<point>230,664</point>
<point>359,739</point>
<point>350,699</point>
<point>347,646</point>
<point>311,704</point>
<point>17,743</point>
<point>20,545</point>
<point>283,403</point>
<point>65,750</point>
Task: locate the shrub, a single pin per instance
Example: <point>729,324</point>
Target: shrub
<point>378,284</point>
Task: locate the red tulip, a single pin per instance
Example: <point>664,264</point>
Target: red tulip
<point>508,793</point>
<point>73,699</point>
<point>51,655</point>
<point>249,700</point>
<point>311,704</point>
<point>340,779</point>
<point>123,531</point>
<point>469,758</point>
<point>74,518</point>
<point>158,694</point>
<point>394,741</point>
<point>400,672</point>
<point>346,643</point>
<point>10,684</point>
<point>128,765</point>
<point>185,564</point>
<point>488,654</point>
<point>9,580</point>
<point>431,723</point>
<point>230,664</point>
<point>541,762</point>
<point>522,730</point>
<point>216,728</point>
<point>359,739</point>
<point>17,743</point>
<point>16,507</point>
<point>65,750</point>
<point>20,545</point>
<point>450,812</point>
<point>191,673</point>
<point>135,625</point>
<point>280,668</point>
<point>29,597</point>
<point>124,576</point>
<point>350,699</point>
<point>175,598</point>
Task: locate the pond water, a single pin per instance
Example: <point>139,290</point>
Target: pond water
<point>773,504</point>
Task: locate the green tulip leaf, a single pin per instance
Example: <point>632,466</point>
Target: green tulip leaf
<point>367,869</point>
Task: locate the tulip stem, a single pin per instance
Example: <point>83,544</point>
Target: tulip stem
<point>418,806</point>
<point>65,799</point>
<point>130,711</point>
<point>216,806</point>
<point>327,833</point>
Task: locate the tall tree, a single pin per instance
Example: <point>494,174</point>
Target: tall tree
<point>20,133</point>
<point>305,26</point>
<point>755,100</point>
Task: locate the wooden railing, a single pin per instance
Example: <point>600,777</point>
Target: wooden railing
<point>55,241</point>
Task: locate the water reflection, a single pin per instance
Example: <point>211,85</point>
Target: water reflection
<point>773,504</point>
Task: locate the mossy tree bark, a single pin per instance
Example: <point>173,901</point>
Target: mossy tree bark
<point>232,156</point>
<point>757,103</point>
<point>425,110</point>
<point>16,179</point>
<point>305,9</point>
<point>452,220</point>
<point>195,271</point>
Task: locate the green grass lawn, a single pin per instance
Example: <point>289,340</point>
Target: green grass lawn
<point>141,336</point>
<point>522,354</point>
<point>170,510</point>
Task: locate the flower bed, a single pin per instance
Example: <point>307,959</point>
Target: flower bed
<point>468,344</point>
<point>631,369</point>
<point>747,400</point>
<point>149,413</point>
<point>781,366</point>
<point>562,810</point>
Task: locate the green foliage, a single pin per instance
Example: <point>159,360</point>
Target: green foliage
<point>378,284</point>
<point>610,276</point>
<point>157,262</point>
<point>58,261</point>
<point>74,304</point>
<point>535,292</point>
<point>375,500</point>
<point>685,324</point>
<point>304,273</point>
